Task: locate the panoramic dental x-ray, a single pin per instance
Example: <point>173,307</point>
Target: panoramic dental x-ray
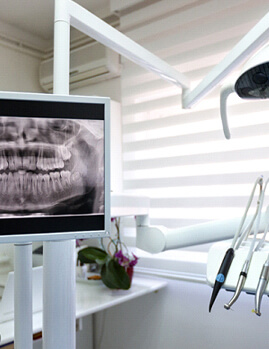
<point>51,166</point>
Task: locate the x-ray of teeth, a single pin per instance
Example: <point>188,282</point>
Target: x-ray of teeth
<point>51,166</point>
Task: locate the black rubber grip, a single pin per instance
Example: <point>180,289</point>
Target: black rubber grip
<point>221,276</point>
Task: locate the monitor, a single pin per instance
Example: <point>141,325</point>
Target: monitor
<point>54,167</point>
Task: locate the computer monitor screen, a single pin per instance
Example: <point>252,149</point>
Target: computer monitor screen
<point>54,167</point>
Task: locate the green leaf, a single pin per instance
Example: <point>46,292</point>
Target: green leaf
<point>92,254</point>
<point>114,276</point>
<point>106,279</point>
<point>103,261</point>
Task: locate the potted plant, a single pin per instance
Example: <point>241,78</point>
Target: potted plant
<point>115,261</point>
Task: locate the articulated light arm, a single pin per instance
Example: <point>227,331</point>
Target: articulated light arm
<point>225,91</point>
<point>99,30</point>
<point>250,43</point>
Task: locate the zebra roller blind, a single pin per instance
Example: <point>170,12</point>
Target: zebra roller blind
<point>178,157</point>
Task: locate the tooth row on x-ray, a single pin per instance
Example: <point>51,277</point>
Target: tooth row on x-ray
<point>50,162</point>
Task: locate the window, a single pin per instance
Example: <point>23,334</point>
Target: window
<point>177,157</point>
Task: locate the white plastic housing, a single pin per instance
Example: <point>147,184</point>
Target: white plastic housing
<point>216,254</point>
<point>155,239</point>
<point>225,91</point>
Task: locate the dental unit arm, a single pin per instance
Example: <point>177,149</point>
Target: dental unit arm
<point>155,239</point>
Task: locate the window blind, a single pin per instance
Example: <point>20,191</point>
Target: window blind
<point>178,157</point>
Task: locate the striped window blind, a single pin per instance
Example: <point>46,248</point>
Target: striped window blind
<point>178,157</point>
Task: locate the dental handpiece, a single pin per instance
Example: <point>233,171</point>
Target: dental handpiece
<point>263,281</point>
<point>240,284</point>
<point>221,276</point>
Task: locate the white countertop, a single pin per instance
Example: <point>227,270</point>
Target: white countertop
<point>91,298</point>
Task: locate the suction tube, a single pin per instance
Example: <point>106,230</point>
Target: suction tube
<point>226,90</point>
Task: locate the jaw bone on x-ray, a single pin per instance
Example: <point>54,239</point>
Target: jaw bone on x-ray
<point>51,166</point>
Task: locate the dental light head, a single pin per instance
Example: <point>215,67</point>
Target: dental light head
<point>253,83</point>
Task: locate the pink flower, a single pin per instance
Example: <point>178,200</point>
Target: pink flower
<point>122,260</point>
<point>125,261</point>
<point>133,261</point>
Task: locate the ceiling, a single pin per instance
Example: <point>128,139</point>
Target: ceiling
<point>32,20</point>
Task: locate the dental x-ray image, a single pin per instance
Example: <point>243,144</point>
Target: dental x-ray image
<point>51,166</point>
<point>54,167</point>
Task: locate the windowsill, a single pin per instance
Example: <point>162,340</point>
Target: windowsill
<point>175,264</point>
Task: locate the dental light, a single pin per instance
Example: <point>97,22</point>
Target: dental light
<point>253,83</point>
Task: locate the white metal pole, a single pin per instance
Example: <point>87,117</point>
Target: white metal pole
<point>59,308</point>
<point>23,303</point>
<point>61,48</point>
<point>59,289</point>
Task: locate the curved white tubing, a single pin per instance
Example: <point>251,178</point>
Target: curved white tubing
<point>226,90</point>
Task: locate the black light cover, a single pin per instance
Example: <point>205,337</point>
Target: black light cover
<point>254,83</point>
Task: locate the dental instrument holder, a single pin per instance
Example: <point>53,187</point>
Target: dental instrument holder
<point>215,257</point>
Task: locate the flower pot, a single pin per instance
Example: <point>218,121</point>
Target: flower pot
<point>130,272</point>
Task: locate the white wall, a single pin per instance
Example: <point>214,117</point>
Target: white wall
<point>110,88</point>
<point>177,318</point>
<point>18,71</point>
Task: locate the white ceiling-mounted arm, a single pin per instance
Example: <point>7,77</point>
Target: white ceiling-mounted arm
<point>226,90</point>
<point>89,24</point>
<point>250,43</point>
<point>99,30</point>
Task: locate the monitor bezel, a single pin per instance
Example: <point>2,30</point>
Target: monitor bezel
<point>79,234</point>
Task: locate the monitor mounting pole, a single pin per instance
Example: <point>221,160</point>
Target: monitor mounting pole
<point>59,283</point>
<point>23,317</point>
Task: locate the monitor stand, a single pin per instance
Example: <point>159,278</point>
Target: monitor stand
<point>23,302</point>
<point>59,287</point>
